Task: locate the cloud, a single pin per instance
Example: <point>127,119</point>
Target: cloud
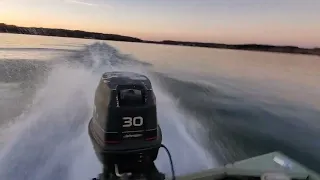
<point>81,2</point>
<point>89,3</point>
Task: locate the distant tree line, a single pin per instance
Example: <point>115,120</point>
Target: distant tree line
<point>4,28</point>
<point>64,33</point>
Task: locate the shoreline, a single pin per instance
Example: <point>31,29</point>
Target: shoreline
<point>12,29</point>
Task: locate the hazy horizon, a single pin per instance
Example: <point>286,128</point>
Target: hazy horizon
<point>288,22</point>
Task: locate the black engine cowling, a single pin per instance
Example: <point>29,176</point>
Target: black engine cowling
<point>124,129</point>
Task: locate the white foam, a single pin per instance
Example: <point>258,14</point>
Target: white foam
<point>50,141</point>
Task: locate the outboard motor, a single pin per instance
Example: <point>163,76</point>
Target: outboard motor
<point>124,129</point>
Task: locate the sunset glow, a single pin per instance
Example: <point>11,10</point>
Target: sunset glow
<point>279,22</point>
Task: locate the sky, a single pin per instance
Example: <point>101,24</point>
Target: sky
<point>278,22</point>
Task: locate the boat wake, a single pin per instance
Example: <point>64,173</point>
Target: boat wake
<point>49,139</point>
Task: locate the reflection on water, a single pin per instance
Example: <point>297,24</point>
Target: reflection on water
<point>293,77</point>
<point>249,102</point>
<point>28,47</point>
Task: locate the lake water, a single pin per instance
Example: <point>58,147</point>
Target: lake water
<point>215,106</point>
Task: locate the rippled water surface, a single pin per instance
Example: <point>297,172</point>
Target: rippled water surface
<point>215,106</point>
